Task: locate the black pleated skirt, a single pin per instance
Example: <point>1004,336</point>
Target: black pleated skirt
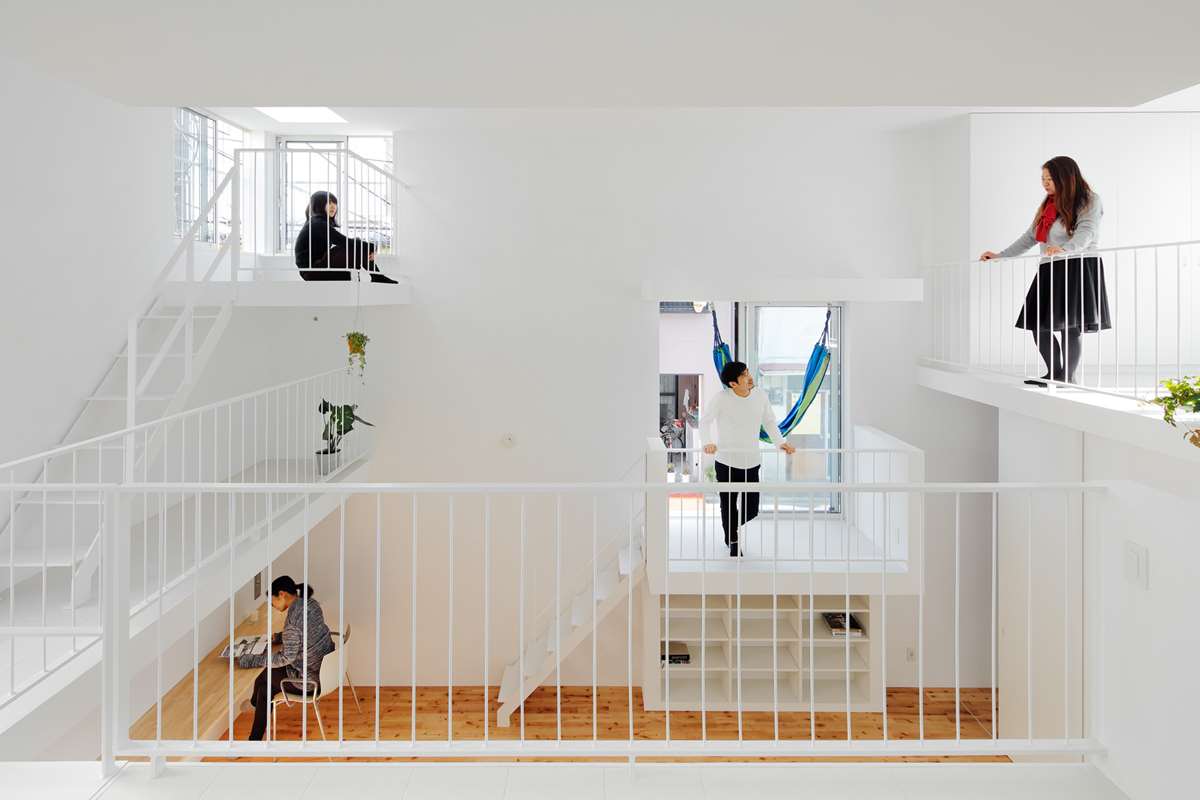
<point>1067,293</point>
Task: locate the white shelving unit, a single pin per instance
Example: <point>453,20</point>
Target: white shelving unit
<point>734,650</point>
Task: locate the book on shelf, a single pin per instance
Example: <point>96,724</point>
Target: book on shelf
<point>836,620</point>
<point>675,653</point>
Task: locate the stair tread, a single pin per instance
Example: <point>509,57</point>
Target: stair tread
<point>56,556</point>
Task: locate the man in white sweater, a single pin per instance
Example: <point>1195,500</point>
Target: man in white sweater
<point>738,413</point>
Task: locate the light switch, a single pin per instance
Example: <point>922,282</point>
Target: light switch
<point>1137,565</point>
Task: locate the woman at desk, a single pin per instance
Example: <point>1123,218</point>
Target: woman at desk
<point>288,664</point>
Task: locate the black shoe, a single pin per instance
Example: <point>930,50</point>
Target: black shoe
<point>379,277</point>
<point>735,551</point>
<point>1038,384</point>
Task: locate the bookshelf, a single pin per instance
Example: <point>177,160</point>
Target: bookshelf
<point>734,647</point>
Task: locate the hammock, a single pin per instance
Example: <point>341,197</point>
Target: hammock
<point>814,375</point>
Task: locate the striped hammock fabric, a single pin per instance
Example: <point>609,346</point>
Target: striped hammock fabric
<point>814,375</point>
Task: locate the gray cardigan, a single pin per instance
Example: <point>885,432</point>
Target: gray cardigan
<point>1086,237</point>
<point>291,657</point>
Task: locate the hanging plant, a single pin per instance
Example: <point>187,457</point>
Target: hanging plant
<point>1184,394</point>
<point>356,341</point>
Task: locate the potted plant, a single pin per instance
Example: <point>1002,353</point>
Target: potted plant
<point>356,342</point>
<point>1184,394</point>
<point>339,421</point>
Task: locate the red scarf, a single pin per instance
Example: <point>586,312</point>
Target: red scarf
<point>1049,214</point>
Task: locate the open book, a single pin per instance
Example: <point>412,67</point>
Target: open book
<point>247,644</point>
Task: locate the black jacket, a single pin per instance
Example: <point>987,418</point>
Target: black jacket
<point>320,237</point>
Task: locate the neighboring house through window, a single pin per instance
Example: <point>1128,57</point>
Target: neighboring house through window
<point>204,153</point>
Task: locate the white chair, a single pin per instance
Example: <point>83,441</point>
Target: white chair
<point>346,655</point>
<point>292,692</point>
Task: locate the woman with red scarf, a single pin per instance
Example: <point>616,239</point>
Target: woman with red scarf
<point>1068,294</point>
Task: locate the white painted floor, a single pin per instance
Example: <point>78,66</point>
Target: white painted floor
<point>81,781</point>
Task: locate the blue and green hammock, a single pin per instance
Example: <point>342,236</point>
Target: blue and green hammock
<point>814,375</point>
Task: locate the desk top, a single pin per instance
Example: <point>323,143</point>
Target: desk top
<point>212,680</point>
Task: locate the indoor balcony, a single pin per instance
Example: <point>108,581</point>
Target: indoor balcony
<point>1152,291</point>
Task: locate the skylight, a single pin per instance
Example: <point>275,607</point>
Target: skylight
<point>301,113</point>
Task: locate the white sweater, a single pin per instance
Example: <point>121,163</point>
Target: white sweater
<point>738,420</point>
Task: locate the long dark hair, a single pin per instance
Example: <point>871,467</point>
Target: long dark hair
<point>1071,192</point>
<point>284,583</point>
<point>316,207</point>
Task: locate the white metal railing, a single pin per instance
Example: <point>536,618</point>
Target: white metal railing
<point>50,550</point>
<point>1153,299</point>
<point>274,188</point>
<point>437,580</point>
<point>695,528</point>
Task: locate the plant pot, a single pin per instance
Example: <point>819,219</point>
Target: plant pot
<point>328,462</point>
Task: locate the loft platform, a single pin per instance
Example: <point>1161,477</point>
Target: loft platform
<point>274,282</point>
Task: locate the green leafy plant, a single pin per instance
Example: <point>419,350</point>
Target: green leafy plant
<point>356,342</point>
<point>339,421</point>
<point>1183,395</point>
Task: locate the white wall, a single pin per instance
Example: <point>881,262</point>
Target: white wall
<point>1136,646</point>
<point>1146,168</point>
<point>88,195</point>
<point>1039,577</point>
<point>1144,643</point>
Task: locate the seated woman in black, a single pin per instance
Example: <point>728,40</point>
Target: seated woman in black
<point>323,253</point>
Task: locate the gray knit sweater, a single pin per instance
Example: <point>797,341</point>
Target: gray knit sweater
<point>1086,236</point>
<point>291,656</point>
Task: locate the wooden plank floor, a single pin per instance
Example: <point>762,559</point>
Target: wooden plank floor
<point>541,723</point>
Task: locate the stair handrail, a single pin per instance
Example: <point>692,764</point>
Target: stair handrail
<point>120,434</point>
<point>8,469</point>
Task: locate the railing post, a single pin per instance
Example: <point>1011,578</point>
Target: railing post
<point>114,623</point>
<point>131,383</point>
<point>655,516</point>
<point>189,310</point>
<point>235,218</point>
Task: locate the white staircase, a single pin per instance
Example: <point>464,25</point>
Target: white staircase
<point>59,533</point>
<point>576,621</point>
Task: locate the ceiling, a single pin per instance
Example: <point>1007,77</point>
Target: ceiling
<point>617,53</point>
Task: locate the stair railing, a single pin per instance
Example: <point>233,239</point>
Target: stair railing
<point>53,524</point>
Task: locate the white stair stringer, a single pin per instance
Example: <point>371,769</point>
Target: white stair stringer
<point>614,582</point>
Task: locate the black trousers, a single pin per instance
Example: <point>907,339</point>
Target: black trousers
<point>731,515</point>
<point>340,259</point>
<point>262,701</point>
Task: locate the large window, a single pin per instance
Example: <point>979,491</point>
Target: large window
<point>204,152</point>
<point>359,179</point>
<point>777,340</point>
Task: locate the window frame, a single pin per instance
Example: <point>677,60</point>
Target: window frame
<point>203,172</point>
<point>835,407</point>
